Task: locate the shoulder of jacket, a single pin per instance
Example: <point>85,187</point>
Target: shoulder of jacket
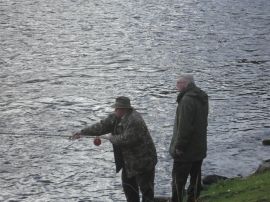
<point>134,116</point>
<point>189,96</point>
<point>112,117</point>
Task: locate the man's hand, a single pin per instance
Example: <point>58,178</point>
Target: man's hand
<point>179,153</point>
<point>107,136</point>
<point>75,136</point>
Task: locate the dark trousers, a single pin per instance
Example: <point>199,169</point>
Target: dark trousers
<point>143,182</point>
<point>180,173</point>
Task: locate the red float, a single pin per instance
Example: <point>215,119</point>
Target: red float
<point>97,141</point>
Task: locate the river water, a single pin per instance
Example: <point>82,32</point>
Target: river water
<point>63,62</point>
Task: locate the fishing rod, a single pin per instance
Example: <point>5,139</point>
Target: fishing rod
<point>30,134</point>
<point>38,135</point>
<point>96,141</point>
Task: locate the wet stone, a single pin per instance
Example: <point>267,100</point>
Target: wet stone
<point>266,142</point>
<point>211,179</point>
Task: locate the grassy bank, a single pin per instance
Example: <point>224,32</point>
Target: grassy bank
<point>255,188</point>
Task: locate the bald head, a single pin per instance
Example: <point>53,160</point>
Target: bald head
<point>183,81</point>
<point>187,77</point>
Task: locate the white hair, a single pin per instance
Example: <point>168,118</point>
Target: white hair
<point>187,77</point>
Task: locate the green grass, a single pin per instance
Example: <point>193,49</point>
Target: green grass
<point>255,188</point>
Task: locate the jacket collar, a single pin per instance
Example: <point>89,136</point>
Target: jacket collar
<point>182,93</point>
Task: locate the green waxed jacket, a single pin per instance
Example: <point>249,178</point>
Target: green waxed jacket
<point>133,146</point>
<point>190,127</point>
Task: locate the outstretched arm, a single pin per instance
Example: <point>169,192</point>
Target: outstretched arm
<point>103,127</point>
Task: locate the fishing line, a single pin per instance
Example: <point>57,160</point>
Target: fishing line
<point>96,141</point>
<point>45,135</point>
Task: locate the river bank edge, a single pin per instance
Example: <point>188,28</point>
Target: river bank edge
<point>252,188</point>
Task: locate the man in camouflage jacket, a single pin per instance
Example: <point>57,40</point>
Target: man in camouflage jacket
<point>134,150</point>
<point>189,142</point>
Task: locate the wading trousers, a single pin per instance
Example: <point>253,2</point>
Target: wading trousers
<point>143,182</point>
<point>180,173</point>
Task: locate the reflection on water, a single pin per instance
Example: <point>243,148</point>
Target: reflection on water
<point>63,63</point>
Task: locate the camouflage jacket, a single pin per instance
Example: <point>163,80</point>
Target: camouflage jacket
<point>132,144</point>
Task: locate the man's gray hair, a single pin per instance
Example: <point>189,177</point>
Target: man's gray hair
<point>187,77</point>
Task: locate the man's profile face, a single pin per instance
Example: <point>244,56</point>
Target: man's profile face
<point>119,112</point>
<point>181,84</point>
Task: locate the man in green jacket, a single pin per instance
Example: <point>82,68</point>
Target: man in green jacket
<point>189,142</point>
<point>133,147</point>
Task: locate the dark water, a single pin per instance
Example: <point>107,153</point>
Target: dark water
<point>63,63</point>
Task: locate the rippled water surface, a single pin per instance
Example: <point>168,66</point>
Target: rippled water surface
<point>63,62</point>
